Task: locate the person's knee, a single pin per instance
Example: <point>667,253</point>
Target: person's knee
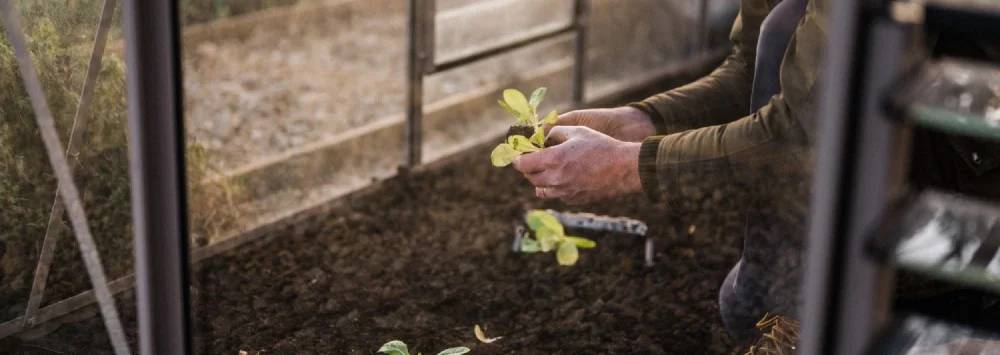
<point>738,309</point>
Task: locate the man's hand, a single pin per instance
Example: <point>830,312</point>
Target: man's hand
<point>581,165</point>
<point>622,123</point>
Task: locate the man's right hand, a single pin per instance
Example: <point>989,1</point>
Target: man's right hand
<point>623,123</point>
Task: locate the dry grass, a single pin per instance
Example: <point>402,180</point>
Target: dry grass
<point>779,336</point>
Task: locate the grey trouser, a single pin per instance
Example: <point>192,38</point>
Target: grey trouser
<point>767,277</point>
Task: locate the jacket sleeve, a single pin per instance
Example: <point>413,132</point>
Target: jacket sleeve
<point>771,143</point>
<point>723,95</point>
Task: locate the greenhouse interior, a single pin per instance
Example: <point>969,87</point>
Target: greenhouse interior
<point>405,177</point>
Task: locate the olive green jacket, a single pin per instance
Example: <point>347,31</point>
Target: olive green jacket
<point>705,129</point>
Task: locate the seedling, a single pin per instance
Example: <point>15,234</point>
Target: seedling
<point>525,112</point>
<point>550,235</point>
<point>397,347</point>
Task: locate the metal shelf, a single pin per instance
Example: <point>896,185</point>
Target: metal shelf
<point>954,96</point>
<point>943,236</point>
<point>919,335</point>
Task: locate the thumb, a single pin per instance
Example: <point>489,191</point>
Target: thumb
<point>561,134</point>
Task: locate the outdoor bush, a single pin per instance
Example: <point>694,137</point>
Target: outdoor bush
<point>60,38</point>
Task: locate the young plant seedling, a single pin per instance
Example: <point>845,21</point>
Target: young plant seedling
<point>397,347</point>
<point>550,235</point>
<point>525,112</point>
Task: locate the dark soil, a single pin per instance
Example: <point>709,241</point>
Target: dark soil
<point>423,258</point>
<point>526,131</point>
<point>427,257</point>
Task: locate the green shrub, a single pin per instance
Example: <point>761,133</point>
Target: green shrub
<point>60,37</point>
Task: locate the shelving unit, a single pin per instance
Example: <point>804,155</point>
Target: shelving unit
<point>919,335</point>
<point>957,96</point>
<point>869,221</point>
<point>944,236</point>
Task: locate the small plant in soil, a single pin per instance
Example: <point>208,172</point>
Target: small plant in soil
<point>397,347</point>
<point>550,235</point>
<point>527,134</point>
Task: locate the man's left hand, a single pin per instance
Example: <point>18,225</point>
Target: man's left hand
<point>581,165</point>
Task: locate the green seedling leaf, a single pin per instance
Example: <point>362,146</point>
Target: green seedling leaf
<point>538,138</point>
<point>529,245</point>
<point>537,96</point>
<point>547,238</point>
<point>525,114</point>
<point>394,347</point>
<point>538,218</point>
<point>567,255</point>
<point>582,243</point>
<point>512,111</point>
<point>503,155</point>
<point>551,118</point>
<point>550,235</point>
<point>516,100</point>
<point>522,144</point>
<point>455,351</point>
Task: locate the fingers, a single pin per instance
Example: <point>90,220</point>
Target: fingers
<point>534,163</point>
<point>548,193</point>
<point>549,178</point>
<point>568,196</point>
<point>571,118</point>
<point>560,134</point>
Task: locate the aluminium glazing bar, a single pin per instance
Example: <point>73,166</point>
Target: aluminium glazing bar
<point>64,175</point>
<point>156,168</point>
<point>821,275</point>
<point>859,170</point>
<point>419,13</point>
<point>581,16</point>
<point>475,57</point>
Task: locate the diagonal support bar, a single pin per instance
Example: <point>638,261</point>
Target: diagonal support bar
<point>80,122</point>
<point>64,175</point>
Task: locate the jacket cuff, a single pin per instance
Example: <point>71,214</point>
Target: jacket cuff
<point>647,167</point>
<point>647,108</point>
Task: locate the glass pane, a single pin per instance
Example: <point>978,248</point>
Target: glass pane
<point>947,236</point>
<point>461,109</point>
<point>468,27</point>
<point>957,96</point>
<point>276,101</point>
<point>61,39</point>
<point>425,256</point>
<point>917,335</point>
<point>630,40</point>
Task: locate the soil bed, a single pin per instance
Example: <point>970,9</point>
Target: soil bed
<point>428,256</point>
